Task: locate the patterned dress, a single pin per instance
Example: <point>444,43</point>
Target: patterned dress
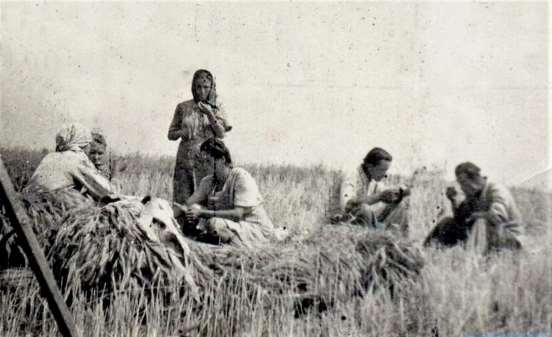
<point>194,128</point>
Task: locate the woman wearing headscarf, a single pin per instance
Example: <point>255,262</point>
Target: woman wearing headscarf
<point>69,168</point>
<point>70,177</point>
<point>193,122</point>
<point>227,205</point>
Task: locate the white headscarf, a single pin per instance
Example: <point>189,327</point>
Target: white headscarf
<point>73,137</point>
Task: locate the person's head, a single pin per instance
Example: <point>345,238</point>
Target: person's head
<point>468,176</point>
<point>73,137</point>
<point>376,163</point>
<point>217,155</point>
<point>98,148</point>
<point>203,87</point>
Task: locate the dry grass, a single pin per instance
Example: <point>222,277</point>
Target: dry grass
<point>458,293</point>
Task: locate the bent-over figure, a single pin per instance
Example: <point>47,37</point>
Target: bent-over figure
<point>365,200</point>
<point>487,219</point>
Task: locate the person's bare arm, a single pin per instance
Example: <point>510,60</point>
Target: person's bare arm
<point>235,214</point>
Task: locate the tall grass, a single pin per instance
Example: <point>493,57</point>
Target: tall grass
<point>459,293</point>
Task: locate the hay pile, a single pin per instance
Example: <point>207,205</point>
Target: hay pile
<point>121,245</point>
<point>128,244</point>
<point>46,212</point>
<point>334,263</point>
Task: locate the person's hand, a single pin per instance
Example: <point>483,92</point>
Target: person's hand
<point>451,193</point>
<point>205,108</point>
<point>390,196</point>
<point>193,213</point>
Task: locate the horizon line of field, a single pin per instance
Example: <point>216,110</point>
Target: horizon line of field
<point>543,178</point>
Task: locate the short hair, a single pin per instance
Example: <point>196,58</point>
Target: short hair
<point>217,149</point>
<point>471,170</point>
<point>376,155</point>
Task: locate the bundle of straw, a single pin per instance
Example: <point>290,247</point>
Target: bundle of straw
<point>132,244</point>
<point>46,211</point>
<point>121,245</point>
<point>333,264</point>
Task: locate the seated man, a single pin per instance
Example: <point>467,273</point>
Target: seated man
<point>365,200</point>
<point>227,204</point>
<point>487,219</point>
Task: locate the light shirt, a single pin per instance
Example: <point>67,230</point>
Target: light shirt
<point>356,186</point>
<point>239,190</point>
<point>69,169</point>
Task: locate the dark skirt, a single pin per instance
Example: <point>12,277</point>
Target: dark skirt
<point>189,169</point>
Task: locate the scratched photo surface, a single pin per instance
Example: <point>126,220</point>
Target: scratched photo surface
<point>308,89</point>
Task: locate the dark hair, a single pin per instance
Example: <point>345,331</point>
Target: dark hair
<point>376,155</point>
<point>471,170</point>
<point>216,149</point>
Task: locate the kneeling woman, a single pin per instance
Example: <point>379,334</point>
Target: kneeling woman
<point>227,205</point>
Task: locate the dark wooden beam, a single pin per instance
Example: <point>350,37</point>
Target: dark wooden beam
<point>26,237</point>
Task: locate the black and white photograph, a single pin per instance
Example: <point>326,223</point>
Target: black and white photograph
<point>275,169</point>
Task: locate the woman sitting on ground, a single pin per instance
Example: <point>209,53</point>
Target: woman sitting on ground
<point>227,206</point>
<point>98,154</point>
<point>101,158</point>
<point>69,169</point>
<point>366,201</point>
<point>147,224</point>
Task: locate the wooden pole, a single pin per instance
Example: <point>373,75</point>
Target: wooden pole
<point>26,237</point>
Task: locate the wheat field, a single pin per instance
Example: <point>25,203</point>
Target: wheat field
<point>459,293</point>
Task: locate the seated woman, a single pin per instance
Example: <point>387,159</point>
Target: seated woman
<point>227,204</point>
<point>69,169</point>
<point>101,158</point>
<point>98,154</point>
<point>366,201</point>
<point>146,225</point>
<point>487,219</point>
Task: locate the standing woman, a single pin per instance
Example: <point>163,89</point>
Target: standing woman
<point>194,122</point>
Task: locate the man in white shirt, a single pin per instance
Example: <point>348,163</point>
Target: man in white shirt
<point>366,201</point>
